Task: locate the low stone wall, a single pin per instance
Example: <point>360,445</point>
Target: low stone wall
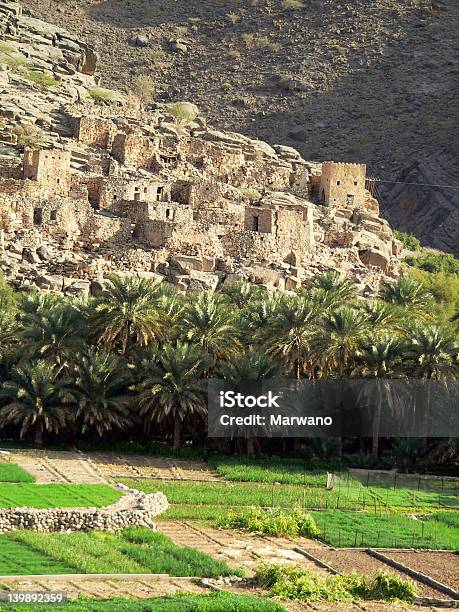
<point>135,509</point>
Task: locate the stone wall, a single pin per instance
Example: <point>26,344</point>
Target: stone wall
<point>135,509</point>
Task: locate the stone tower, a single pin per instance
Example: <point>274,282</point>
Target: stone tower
<point>342,185</point>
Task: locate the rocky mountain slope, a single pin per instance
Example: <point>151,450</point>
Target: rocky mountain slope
<point>92,182</point>
<point>348,80</point>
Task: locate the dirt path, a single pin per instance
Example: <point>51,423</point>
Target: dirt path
<point>131,586</point>
<point>116,465</point>
<point>237,548</point>
<point>149,585</point>
<point>58,466</point>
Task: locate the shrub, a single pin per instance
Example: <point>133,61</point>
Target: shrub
<point>157,56</point>
<point>435,262</point>
<point>388,586</point>
<point>10,57</point>
<point>292,4</point>
<point>409,241</point>
<point>41,79</point>
<point>101,94</point>
<point>272,521</point>
<point>183,112</point>
<point>233,18</point>
<point>144,88</point>
<point>29,136</point>
<point>291,582</point>
<point>250,194</point>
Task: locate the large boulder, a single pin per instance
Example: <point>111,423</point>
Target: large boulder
<point>203,281</point>
<point>372,257</point>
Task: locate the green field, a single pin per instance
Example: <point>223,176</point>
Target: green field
<point>57,496</point>
<point>18,558</point>
<point>227,494</point>
<point>10,472</point>
<point>213,602</point>
<point>351,529</point>
<point>202,500</point>
<point>132,551</point>
<point>284,471</point>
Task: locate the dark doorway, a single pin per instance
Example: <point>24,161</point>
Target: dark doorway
<point>37,216</point>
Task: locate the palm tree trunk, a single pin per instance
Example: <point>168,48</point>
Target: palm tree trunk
<point>376,425</point>
<point>177,431</point>
<point>39,435</point>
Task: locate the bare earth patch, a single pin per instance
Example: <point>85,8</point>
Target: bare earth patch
<point>441,566</point>
<point>137,587</point>
<point>129,466</point>
<point>347,561</point>
<point>237,548</point>
<point>58,466</point>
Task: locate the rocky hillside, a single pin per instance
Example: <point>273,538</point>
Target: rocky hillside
<point>92,182</point>
<point>355,80</point>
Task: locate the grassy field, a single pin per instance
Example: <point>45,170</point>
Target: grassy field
<point>227,494</point>
<point>350,529</point>
<point>57,496</point>
<point>213,602</point>
<point>351,490</point>
<point>10,472</point>
<point>18,558</point>
<point>202,500</point>
<point>134,550</point>
<point>378,526</point>
<point>285,471</point>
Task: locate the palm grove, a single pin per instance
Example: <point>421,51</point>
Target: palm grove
<point>132,363</point>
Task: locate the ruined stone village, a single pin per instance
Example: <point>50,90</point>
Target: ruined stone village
<point>115,188</point>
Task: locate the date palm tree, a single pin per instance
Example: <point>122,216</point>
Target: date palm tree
<point>336,342</point>
<point>9,332</point>
<point>379,358</point>
<point>432,353</point>
<point>252,367</point>
<point>209,322</point>
<point>127,315</point>
<point>55,335</point>
<point>408,295</point>
<point>174,387</point>
<point>100,391</point>
<point>330,289</point>
<point>35,399</point>
<point>289,331</point>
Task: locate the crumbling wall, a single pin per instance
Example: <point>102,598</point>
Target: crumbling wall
<point>10,167</point>
<point>258,219</point>
<point>104,228</point>
<point>95,131</point>
<point>135,150</point>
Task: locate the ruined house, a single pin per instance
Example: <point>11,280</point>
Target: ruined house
<point>118,189</point>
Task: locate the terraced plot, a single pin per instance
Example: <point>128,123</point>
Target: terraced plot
<point>18,558</point>
<point>10,472</point>
<point>57,496</point>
